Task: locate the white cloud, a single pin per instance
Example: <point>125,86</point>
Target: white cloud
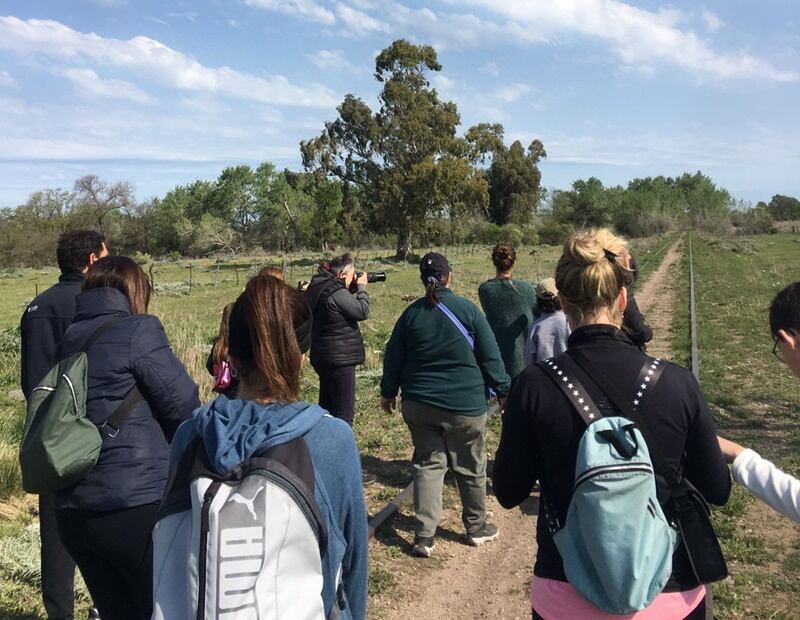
<point>156,20</point>
<point>359,23</point>
<point>110,3</point>
<point>234,23</point>
<point>301,8</point>
<point>481,103</point>
<point>490,68</point>
<point>711,20</point>
<point>637,36</point>
<point>7,80</point>
<point>512,92</point>
<point>332,59</point>
<point>155,61</point>
<point>88,83</point>
<point>190,15</point>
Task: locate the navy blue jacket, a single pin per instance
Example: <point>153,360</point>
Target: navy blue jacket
<point>133,466</point>
<point>43,325</point>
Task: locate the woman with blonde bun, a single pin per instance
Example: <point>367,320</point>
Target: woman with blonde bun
<point>542,429</point>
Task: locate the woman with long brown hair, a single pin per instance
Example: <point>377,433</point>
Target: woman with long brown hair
<point>269,333</point>
<point>105,520</point>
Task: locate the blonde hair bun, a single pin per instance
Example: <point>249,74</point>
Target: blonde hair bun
<point>590,272</point>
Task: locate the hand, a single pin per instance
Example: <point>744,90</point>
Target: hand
<point>302,285</point>
<point>730,449</point>
<point>389,405</point>
<point>362,279</point>
<point>501,404</point>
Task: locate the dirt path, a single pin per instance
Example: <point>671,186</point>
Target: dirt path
<point>656,300</point>
<point>493,581</point>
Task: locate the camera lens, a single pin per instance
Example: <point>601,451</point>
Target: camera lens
<point>376,276</point>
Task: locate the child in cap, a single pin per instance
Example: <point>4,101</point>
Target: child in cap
<point>550,331</point>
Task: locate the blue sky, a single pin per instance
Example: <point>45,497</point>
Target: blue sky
<point>160,93</point>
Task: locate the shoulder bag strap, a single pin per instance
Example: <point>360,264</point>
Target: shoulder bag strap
<point>467,336</point>
<point>459,325</point>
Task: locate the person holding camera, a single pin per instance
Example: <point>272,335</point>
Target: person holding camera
<point>337,346</point>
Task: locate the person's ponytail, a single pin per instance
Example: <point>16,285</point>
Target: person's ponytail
<point>432,285</point>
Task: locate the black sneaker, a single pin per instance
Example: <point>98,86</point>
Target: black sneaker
<point>94,614</point>
<point>367,479</point>
<point>487,533</point>
<point>423,547</point>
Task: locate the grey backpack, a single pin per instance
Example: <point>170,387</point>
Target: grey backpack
<point>244,545</point>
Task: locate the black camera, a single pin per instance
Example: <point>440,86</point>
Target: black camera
<point>373,276</point>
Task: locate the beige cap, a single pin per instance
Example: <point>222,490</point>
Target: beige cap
<point>546,288</point>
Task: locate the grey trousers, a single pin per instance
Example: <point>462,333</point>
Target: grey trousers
<point>443,438</point>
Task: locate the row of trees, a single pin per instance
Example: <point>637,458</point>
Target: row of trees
<point>400,175</point>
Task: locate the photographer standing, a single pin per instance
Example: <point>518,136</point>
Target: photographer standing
<point>336,343</point>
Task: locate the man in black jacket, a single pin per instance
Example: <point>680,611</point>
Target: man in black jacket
<point>42,326</point>
<point>336,343</point>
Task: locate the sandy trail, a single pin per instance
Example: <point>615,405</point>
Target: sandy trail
<point>656,300</point>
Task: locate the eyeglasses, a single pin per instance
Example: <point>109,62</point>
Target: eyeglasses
<point>776,350</point>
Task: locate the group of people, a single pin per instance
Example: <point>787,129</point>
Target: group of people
<point>445,358</point>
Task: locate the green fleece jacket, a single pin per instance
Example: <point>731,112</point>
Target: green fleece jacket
<point>429,359</point>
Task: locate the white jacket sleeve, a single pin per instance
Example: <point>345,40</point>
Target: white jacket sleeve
<point>777,488</point>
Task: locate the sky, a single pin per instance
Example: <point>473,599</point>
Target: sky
<point>162,92</point>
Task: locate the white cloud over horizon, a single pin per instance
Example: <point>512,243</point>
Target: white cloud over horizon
<point>638,37</point>
<point>155,61</point>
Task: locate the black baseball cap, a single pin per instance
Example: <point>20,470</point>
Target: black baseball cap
<point>434,265</point>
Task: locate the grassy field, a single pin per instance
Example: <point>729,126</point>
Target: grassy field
<point>190,314</point>
<point>754,398</point>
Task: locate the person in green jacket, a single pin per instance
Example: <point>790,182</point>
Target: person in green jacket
<point>509,306</point>
<point>443,356</point>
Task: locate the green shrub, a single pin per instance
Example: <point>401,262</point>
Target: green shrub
<point>141,258</point>
<point>553,232</point>
<point>484,233</point>
<point>10,475</point>
<point>511,233</point>
<point>10,340</point>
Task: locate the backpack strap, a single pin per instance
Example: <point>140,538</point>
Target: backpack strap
<point>568,382</point>
<point>100,332</point>
<point>110,428</point>
<point>648,377</point>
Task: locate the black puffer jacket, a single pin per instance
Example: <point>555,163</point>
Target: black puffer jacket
<point>336,339</point>
<point>133,466</point>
